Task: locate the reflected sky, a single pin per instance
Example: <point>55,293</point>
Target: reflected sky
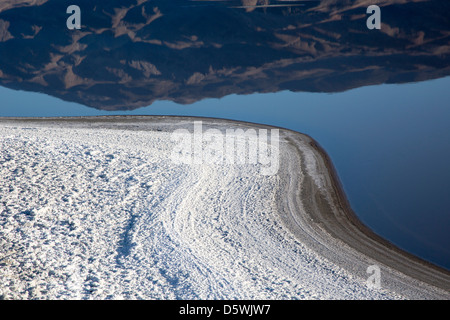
<point>389,144</point>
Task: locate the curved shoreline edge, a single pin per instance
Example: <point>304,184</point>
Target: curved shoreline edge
<point>353,218</point>
<point>397,263</point>
<point>405,273</point>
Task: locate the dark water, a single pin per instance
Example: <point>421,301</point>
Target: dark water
<point>376,100</point>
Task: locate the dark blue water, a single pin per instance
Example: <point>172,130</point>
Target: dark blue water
<point>389,144</point>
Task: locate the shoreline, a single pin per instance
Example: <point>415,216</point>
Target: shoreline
<point>376,247</point>
<point>353,218</point>
<point>335,216</point>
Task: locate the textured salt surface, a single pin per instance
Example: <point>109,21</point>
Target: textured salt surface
<point>96,210</point>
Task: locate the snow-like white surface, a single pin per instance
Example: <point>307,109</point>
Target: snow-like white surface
<point>104,214</point>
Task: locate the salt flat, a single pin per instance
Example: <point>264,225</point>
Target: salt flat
<point>93,208</point>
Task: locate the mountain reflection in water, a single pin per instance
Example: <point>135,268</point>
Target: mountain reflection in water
<point>131,53</point>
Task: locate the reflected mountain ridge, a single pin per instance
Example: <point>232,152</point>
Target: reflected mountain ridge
<point>131,53</point>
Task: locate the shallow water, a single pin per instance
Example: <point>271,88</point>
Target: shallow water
<point>389,144</point>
